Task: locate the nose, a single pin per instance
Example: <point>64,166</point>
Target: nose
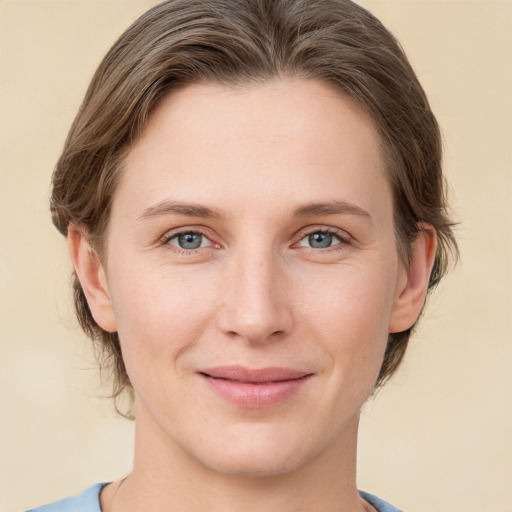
<point>256,305</point>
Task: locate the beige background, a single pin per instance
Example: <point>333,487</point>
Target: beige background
<point>437,439</point>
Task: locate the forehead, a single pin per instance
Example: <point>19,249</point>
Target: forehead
<point>279,111</point>
<point>295,139</point>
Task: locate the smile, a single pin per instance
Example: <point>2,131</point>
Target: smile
<point>254,389</point>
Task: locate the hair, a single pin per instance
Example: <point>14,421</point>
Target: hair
<point>242,42</point>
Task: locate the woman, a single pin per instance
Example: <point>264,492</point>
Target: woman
<point>253,200</point>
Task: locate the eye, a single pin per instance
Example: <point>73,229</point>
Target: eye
<point>189,240</point>
<point>321,239</point>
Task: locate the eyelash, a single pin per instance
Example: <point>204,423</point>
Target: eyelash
<point>166,239</point>
<point>343,237</point>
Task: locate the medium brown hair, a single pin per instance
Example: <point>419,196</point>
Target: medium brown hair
<point>239,42</point>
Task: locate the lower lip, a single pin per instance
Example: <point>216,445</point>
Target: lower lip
<point>255,396</point>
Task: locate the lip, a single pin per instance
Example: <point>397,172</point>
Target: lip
<point>254,388</point>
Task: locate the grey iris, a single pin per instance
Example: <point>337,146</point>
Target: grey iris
<point>190,240</point>
<point>320,240</point>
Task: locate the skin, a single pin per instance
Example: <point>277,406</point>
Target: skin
<point>256,293</point>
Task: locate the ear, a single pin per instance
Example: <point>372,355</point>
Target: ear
<point>413,281</point>
<point>92,277</point>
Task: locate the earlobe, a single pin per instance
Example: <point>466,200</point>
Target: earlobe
<point>412,289</point>
<point>92,277</point>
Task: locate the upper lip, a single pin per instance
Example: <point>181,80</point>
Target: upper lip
<point>243,374</point>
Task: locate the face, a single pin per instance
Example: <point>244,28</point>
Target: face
<point>252,274</point>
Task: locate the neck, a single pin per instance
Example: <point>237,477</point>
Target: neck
<point>166,478</point>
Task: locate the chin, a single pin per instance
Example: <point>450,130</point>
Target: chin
<point>248,466</point>
<point>259,453</point>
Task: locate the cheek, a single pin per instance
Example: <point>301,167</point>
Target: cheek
<point>350,296</point>
<point>160,313</point>
<point>349,311</point>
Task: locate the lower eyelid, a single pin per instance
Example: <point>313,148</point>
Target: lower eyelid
<point>168,237</point>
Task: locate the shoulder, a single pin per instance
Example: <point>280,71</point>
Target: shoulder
<point>88,501</point>
<point>379,504</point>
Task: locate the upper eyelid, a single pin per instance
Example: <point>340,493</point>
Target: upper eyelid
<point>341,233</point>
<point>171,233</point>
<point>342,241</point>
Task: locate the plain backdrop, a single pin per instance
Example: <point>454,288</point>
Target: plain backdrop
<point>436,439</point>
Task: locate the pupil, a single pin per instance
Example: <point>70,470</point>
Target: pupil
<point>320,240</point>
<point>190,240</point>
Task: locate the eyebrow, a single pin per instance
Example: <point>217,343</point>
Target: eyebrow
<point>330,208</point>
<point>167,207</point>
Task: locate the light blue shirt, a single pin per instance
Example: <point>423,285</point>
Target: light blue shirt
<point>89,501</point>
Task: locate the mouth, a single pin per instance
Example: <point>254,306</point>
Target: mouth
<point>254,388</point>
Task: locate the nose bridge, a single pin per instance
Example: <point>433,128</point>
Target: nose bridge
<point>255,306</point>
